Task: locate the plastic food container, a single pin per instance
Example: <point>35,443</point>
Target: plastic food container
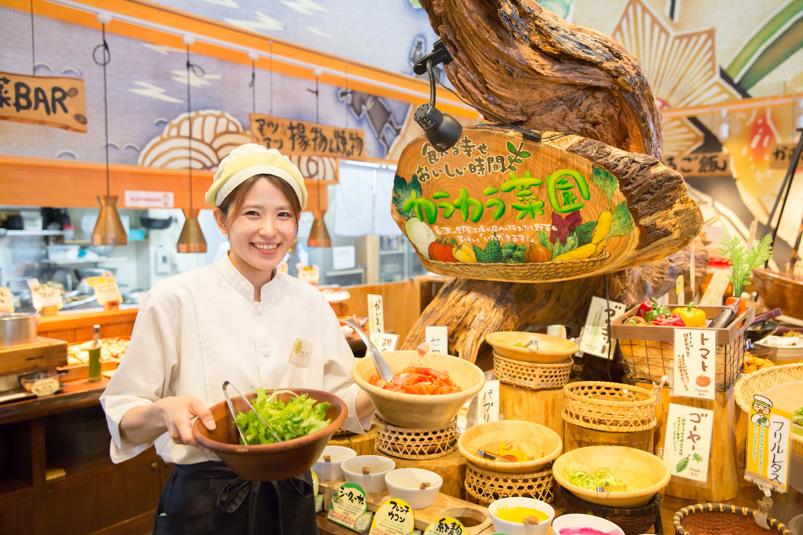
<point>329,470</point>
<point>519,528</point>
<point>416,486</point>
<point>368,471</point>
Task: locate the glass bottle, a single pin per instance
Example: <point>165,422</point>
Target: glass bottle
<point>94,355</point>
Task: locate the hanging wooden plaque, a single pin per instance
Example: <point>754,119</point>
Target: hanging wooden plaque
<point>303,138</point>
<point>45,100</point>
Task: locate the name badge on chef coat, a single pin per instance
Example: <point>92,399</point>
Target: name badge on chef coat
<point>301,353</point>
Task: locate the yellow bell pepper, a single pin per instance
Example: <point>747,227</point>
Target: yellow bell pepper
<point>691,316</point>
<point>464,253</point>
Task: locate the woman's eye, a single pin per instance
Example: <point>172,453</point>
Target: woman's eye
<point>251,213</point>
<point>285,214</point>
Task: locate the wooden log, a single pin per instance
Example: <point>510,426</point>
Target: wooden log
<point>580,437</point>
<point>452,468</point>
<point>520,63</point>
<point>362,444</point>
<point>540,406</point>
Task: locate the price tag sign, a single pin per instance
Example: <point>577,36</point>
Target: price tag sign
<point>768,444</point>
<point>595,334</point>
<point>695,369</point>
<point>385,341</point>
<point>485,406</point>
<point>376,318</point>
<point>688,441</point>
<point>394,517</point>
<point>106,289</point>
<point>445,525</point>
<point>45,296</point>
<point>680,290</point>
<point>437,337</point>
<point>350,508</point>
<point>6,301</point>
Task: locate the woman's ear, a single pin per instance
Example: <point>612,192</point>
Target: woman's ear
<point>220,219</point>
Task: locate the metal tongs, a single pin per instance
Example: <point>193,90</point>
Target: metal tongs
<point>385,372</point>
<point>233,413</point>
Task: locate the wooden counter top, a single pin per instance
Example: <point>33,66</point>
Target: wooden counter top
<point>74,395</point>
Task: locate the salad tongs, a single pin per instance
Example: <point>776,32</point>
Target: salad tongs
<point>385,372</point>
<point>233,413</point>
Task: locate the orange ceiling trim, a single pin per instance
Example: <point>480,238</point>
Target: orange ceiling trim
<point>181,23</point>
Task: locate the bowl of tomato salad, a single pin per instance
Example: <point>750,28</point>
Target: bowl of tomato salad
<point>426,391</point>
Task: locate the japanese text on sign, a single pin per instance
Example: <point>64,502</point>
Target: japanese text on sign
<point>485,405</point>
<point>437,337</point>
<point>301,137</point>
<point>688,441</point>
<point>45,296</point>
<point>394,517</point>
<point>595,333</point>
<point>385,341</point>
<point>701,164</point>
<point>349,507</point>
<point>782,155</point>
<point>376,318</point>
<point>45,100</point>
<point>695,364</point>
<point>768,444</point>
<point>445,525</point>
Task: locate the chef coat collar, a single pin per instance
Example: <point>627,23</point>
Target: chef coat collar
<point>233,276</point>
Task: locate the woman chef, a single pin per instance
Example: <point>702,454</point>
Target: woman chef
<point>237,320</point>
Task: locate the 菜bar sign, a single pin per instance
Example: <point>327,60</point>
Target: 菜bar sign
<point>497,206</point>
<point>45,100</point>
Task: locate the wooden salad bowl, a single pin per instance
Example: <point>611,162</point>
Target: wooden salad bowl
<point>268,462</point>
<point>545,443</point>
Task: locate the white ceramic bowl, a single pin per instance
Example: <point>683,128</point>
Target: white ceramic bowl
<point>330,470</point>
<point>405,483</point>
<point>576,521</point>
<point>518,528</point>
<point>374,480</point>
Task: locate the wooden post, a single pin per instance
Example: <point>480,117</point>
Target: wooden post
<point>539,406</point>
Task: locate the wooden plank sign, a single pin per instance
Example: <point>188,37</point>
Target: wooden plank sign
<point>781,156</point>
<point>303,138</point>
<point>45,100</point>
<point>497,206</point>
<point>700,163</point>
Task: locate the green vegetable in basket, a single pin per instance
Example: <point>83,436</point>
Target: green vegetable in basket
<point>744,260</point>
<point>797,417</point>
<point>298,416</point>
<point>601,480</point>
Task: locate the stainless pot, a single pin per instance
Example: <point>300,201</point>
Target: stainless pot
<point>17,329</point>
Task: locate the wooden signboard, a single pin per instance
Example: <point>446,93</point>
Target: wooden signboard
<point>293,137</point>
<point>499,207</point>
<point>700,163</point>
<point>781,155</point>
<point>45,100</point>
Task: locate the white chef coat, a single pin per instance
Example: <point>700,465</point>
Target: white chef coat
<point>202,327</point>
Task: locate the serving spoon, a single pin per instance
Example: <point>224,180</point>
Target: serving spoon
<point>381,365</point>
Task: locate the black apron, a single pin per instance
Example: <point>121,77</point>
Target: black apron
<point>209,498</point>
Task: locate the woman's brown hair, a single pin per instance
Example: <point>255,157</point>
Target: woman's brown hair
<point>234,201</point>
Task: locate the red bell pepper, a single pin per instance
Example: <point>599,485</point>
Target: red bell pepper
<point>645,307</point>
<point>669,320</point>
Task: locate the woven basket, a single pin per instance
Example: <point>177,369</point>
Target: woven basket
<point>630,519</point>
<point>526,272</point>
<point>716,518</point>
<point>532,375</point>
<point>760,381</point>
<point>648,351</point>
<point>486,486</point>
<point>612,407</point>
<point>421,443</point>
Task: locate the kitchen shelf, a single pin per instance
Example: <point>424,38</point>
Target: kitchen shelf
<point>24,233</point>
<point>79,262</point>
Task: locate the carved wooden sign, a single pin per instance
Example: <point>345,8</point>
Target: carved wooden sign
<point>700,163</point>
<point>45,100</point>
<point>497,206</point>
<point>304,138</point>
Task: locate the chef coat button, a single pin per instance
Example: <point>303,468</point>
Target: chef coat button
<point>266,353</point>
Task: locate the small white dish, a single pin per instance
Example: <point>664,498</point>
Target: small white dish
<point>519,528</point>
<point>368,471</point>
<point>328,465</point>
<point>574,524</point>
<point>416,486</point>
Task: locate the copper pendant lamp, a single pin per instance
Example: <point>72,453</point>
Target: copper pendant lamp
<point>109,229</point>
<point>191,239</point>
<point>318,233</point>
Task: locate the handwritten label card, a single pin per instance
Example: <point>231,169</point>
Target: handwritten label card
<point>768,444</point>
<point>6,301</point>
<point>485,405</point>
<point>350,508</point>
<point>437,337</point>
<point>385,341</point>
<point>106,290</point>
<point>376,315</point>
<point>688,441</point>
<point>46,297</point>
<point>695,365</point>
<point>595,333</point>
<point>445,525</point>
<point>394,517</point>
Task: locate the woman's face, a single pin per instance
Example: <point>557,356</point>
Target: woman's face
<point>261,232</point>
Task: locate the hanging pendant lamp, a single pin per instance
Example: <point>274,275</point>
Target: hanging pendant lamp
<point>191,239</point>
<point>318,233</point>
<point>109,229</point>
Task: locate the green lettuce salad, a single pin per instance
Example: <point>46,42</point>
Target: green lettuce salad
<point>601,480</point>
<point>298,416</point>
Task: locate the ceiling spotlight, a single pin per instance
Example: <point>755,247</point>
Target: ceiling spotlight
<point>442,130</point>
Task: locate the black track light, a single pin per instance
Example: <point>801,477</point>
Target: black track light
<point>441,129</point>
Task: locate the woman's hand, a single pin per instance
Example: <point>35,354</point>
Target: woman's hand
<point>177,412</point>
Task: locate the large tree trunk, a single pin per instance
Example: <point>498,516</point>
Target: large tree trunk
<point>518,62</point>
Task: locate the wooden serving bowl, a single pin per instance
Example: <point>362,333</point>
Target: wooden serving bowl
<point>487,436</point>
<point>268,462</point>
<point>782,290</point>
<point>512,344</point>
<point>644,474</point>
<point>416,410</point>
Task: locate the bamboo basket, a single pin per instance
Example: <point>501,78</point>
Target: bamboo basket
<point>713,518</point>
<point>519,272</point>
<point>761,381</point>
<point>415,443</point>
<point>486,486</point>
<point>648,350</point>
<point>611,407</point>
<point>532,375</point>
